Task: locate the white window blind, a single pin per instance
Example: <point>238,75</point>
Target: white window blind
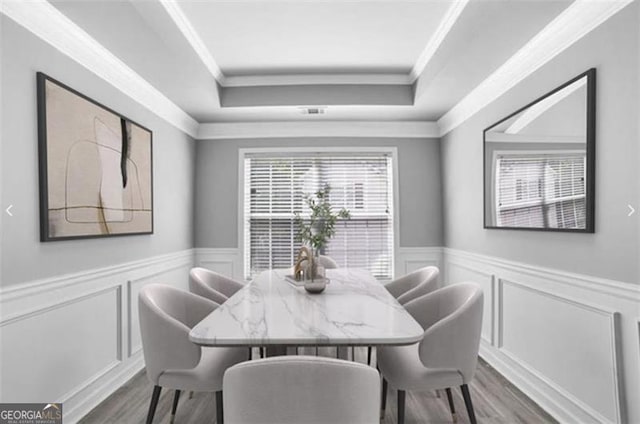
<point>274,190</point>
<point>541,190</point>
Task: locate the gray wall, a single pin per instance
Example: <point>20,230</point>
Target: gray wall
<point>24,257</point>
<point>612,252</point>
<point>418,172</point>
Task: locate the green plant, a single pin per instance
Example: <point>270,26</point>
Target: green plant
<point>319,227</point>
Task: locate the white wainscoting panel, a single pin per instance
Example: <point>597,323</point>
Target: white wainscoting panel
<point>569,341</point>
<point>227,261</point>
<point>43,359</point>
<point>562,341</point>
<point>75,338</point>
<point>409,259</point>
<point>457,272</point>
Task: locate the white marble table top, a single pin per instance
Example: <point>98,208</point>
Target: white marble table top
<point>354,309</point>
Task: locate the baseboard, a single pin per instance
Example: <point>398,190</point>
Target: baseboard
<point>568,341</point>
<point>88,322</point>
<point>94,398</point>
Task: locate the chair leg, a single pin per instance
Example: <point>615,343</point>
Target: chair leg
<point>154,403</point>
<point>401,396</point>
<point>174,407</point>
<point>369,349</point>
<point>219,411</point>
<point>467,402</point>
<point>383,403</point>
<point>451,405</point>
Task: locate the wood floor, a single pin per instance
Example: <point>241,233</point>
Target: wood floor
<point>495,401</point>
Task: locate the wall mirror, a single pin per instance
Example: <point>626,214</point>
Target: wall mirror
<point>539,162</point>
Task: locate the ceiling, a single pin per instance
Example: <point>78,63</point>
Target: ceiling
<point>261,60</point>
<point>304,37</point>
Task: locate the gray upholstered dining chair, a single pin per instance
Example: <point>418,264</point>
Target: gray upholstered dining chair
<point>448,353</point>
<point>213,286</point>
<point>412,286</point>
<point>301,390</point>
<point>327,262</point>
<point>172,361</point>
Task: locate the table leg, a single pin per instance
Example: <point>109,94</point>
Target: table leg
<point>276,350</point>
<point>343,352</point>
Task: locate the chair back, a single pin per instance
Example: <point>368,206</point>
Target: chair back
<point>213,286</point>
<point>327,262</point>
<point>452,319</point>
<point>410,281</point>
<point>301,390</point>
<point>427,278</point>
<point>166,316</point>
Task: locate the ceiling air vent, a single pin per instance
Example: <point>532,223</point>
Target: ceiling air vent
<point>317,110</point>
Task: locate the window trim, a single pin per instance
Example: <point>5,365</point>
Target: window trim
<point>388,150</point>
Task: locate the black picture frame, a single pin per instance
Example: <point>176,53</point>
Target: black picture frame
<point>86,202</point>
<point>590,185</point>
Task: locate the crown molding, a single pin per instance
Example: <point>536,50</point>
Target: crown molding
<point>580,18</point>
<point>450,18</point>
<point>52,26</point>
<point>275,129</point>
<point>538,109</point>
<point>184,25</point>
<point>316,79</point>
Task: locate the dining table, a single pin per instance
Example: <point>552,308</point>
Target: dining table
<point>273,311</point>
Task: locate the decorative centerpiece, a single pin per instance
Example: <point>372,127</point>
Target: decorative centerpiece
<point>315,232</point>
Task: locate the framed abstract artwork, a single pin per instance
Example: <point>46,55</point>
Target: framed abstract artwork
<point>96,174</point>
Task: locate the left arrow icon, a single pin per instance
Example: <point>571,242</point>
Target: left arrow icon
<point>9,210</point>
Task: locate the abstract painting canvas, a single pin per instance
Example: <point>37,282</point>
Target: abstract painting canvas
<point>95,167</point>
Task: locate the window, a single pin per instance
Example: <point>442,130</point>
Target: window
<point>537,190</point>
<point>274,189</point>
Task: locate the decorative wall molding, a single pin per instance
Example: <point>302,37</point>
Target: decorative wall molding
<point>52,26</point>
<point>316,79</point>
<point>490,325</point>
<point>97,310</point>
<point>48,23</point>
<point>447,22</point>
<point>607,337</point>
<point>184,25</point>
<point>612,305</point>
<point>227,261</point>
<point>545,319</point>
<point>614,288</point>
<point>47,285</point>
<point>577,20</point>
<point>368,129</point>
<point>409,259</point>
